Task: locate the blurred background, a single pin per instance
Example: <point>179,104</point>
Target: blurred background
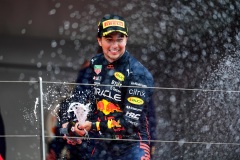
<point>191,48</point>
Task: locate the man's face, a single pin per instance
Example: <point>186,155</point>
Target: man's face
<point>113,45</point>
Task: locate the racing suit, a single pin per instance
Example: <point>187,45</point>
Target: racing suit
<point>120,94</point>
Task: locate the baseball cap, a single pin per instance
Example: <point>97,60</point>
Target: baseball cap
<point>112,23</point>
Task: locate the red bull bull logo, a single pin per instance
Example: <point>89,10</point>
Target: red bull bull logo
<point>107,107</point>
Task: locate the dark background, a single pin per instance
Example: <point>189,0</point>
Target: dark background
<point>191,48</point>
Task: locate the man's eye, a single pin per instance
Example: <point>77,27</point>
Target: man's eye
<point>109,39</point>
<point>120,40</point>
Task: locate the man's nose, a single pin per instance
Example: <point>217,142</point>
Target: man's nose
<point>114,43</point>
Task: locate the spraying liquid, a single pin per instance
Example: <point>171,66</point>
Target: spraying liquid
<point>81,112</point>
<point>35,108</point>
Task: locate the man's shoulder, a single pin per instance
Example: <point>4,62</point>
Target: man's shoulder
<point>138,68</point>
<point>97,58</point>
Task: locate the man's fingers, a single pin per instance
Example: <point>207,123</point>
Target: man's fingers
<point>78,126</point>
<point>74,141</point>
<point>71,141</point>
<point>80,132</point>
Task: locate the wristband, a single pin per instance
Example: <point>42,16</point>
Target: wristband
<point>94,127</point>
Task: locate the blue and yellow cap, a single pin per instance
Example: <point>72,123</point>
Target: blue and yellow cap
<point>112,23</point>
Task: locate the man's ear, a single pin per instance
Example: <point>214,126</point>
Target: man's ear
<point>99,41</point>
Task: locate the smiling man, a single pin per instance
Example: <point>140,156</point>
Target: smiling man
<point>120,97</point>
<point>113,45</point>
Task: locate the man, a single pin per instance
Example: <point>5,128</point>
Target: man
<point>120,97</point>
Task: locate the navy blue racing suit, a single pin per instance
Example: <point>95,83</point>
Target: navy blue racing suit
<point>120,97</point>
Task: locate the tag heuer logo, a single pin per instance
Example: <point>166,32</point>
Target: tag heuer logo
<point>97,69</point>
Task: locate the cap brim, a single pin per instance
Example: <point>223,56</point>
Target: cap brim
<point>111,31</point>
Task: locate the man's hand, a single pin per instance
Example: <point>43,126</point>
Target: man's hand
<point>83,129</point>
<point>71,140</point>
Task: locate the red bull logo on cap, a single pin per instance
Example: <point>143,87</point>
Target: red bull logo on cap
<point>135,100</point>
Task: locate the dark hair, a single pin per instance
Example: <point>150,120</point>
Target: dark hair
<point>99,50</point>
